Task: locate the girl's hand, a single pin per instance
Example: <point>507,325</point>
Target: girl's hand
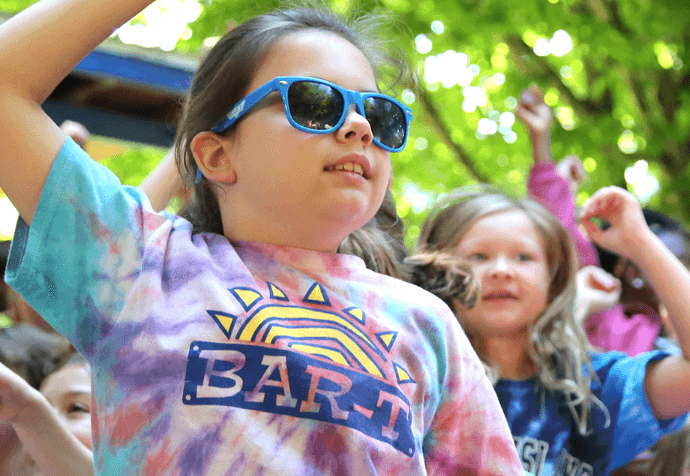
<point>571,169</point>
<point>77,131</point>
<point>534,112</point>
<point>626,227</point>
<point>17,397</point>
<point>597,291</point>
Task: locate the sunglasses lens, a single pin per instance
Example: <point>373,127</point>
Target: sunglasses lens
<point>315,105</point>
<point>387,121</point>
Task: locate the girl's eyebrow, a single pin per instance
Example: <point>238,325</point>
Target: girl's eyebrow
<point>80,390</point>
<point>77,391</point>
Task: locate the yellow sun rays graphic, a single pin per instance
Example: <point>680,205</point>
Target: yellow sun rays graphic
<point>317,330</point>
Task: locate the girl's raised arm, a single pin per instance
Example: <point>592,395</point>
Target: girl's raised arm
<point>38,48</point>
<point>538,117</point>
<point>43,434</point>
<point>667,382</point>
<point>163,183</point>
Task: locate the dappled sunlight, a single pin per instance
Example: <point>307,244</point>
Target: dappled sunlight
<point>559,45</point>
<point>161,25</point>
<point>626,142</point>
<point>423,43</point>
<point>8,218</point>
<point>437,27</point>
<point>640,181</point>
<point>566,116</point>
<point>449,68</point>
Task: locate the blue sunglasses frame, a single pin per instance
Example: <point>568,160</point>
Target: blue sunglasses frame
<point>282,85</point>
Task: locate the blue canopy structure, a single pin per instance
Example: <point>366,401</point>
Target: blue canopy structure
<point>124,92</point>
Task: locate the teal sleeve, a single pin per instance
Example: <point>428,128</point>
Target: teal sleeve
<point>77,261</point>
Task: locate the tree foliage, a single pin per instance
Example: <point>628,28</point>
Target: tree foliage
<point>621,93</point>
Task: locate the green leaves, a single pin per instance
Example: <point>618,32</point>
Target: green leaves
<point>616,73</point>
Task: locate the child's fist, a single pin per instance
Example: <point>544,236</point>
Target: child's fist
<point>77,131</point>
<point>534,112</point>
<point>597,291</point>
<point>625,224</point>
<point>16,397</point>
<point>571,169</point>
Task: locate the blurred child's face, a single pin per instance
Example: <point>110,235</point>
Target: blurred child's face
<point>284,176</point>
<point>69,391</point>
<point>507,254</point>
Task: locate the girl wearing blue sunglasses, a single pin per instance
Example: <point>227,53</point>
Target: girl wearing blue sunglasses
<point>235,339</point>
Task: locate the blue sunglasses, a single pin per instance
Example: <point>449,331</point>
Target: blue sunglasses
<point>318,106</point>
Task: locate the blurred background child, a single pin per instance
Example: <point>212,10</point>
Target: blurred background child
<point>570,410</point>
<point>47,432</point>
<point>636,324</point>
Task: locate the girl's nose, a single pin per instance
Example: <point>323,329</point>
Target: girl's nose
<point>499,266</point>
<point>356,128</point>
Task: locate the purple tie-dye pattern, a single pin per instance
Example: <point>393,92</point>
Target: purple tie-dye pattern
<point>200,450</point>
<point>353,372</point>
<point>325,453</point>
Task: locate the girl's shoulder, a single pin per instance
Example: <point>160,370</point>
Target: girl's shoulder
<point>616,371</point>
<point>604,360</point>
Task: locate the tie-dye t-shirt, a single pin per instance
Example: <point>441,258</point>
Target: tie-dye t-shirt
<point>546,434</point>
<point>210,358</point>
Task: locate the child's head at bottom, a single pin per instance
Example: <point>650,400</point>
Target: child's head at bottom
<point>283,154</point>
<point>523,322</point>
<point>68,390</point>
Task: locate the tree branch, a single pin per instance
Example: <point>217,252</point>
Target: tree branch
<point>434,117</point>
<point>583,106</point>
<point>615,17</point>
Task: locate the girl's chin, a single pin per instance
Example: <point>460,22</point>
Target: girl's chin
<point>503,328</point>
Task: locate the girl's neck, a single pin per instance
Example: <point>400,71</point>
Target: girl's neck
<point>511,356</point>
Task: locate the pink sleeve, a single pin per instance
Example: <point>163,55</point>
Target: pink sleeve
<point>553,192</point>
<point>469,434</point>
<point>613,330</point>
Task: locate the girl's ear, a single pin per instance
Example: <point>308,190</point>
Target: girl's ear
<point>211,152</point>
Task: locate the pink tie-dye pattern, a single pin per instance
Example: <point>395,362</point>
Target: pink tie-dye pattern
<point>130,419</point>
<point>160,312</point>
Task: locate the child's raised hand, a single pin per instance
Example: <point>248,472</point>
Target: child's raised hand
<point>625,223</point>
<point>16,397</point>
<point>534,112</point>
<point>571,169</point>
<point>597,291</point>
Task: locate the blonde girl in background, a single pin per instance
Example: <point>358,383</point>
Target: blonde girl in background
<point>571,410</point>
<point>236,340</point>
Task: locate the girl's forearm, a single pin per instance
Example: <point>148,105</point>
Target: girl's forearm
<point>541,147</point>
<point>42,44</point>
<point>51,445</point>
<point>671,281</point>
<point>163,183</point>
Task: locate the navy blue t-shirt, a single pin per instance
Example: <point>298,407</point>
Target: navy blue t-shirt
<point>547,436</point>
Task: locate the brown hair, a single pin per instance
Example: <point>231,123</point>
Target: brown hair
<point>381,244</point>
<point>32,353</point>
<point>225,72</point>
<point>671,454</point>
<point>446,276</point>
<point>669,457</point>
<point>558,346</point>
